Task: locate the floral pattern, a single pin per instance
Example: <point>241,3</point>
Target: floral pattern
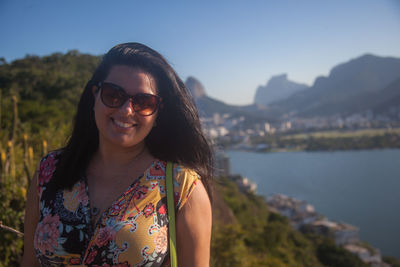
<point>47,234</point>
<point>161,240</point>
<point>133,231</point>
<point>46,169</point>
<point>105,235</point>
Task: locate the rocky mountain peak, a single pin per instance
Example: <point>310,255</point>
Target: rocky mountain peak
<point>195,87</point>
<point>277,88</point>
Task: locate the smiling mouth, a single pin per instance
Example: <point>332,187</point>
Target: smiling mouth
<point>123,124</point>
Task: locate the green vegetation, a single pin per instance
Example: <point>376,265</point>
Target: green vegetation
<point>332,140</point>
<point>262,238</point>
<point>392,261</point>
<point>38,98</point>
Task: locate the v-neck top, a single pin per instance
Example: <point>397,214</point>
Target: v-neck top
<point>133,231</point>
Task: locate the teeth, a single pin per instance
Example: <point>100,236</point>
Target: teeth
<point>123,124</point>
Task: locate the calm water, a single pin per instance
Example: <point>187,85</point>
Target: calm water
<point>361,188</point>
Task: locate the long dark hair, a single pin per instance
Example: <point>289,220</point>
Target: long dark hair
<point>177,137</point>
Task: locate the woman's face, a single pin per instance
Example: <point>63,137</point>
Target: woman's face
<point>123,127</point>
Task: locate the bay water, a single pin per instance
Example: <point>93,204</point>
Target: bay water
<point>361,188</point>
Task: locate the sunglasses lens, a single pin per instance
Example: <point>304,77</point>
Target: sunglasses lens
<point>145,104</point>
<point>111,96</point>
<point>114,97</point>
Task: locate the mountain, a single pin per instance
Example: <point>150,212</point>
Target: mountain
<point>364,83</point>
<point>277,88</point>
<point>195,87</point>
<point>387,101</point>
<point>207,106</point>
<point>351,87</point>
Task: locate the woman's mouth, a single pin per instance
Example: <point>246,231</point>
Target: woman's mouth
<point>123,124</point>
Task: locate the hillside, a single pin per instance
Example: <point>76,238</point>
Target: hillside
<point>47,88</point>
<point>277,88</point>
<point>254,236</point>
<point>364,84</point>
<point>351,87</point>
<point>207,105</point>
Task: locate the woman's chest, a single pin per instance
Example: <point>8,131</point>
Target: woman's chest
<point>132,231</point>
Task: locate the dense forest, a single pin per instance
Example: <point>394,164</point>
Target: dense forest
<point>38,98</point>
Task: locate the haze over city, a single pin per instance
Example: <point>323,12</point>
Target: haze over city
<point>232,47</point>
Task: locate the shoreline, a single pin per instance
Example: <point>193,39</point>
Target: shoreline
<point>319,141</point>
<point>283,150</point>
<point>314,177</point>
<point>304,218</point>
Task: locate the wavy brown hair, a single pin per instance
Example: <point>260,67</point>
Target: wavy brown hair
<point>177,137</point>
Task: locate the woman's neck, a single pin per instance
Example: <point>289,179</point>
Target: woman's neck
<point>112,158</point>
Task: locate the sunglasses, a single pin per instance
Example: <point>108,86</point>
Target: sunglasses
<point>114,96</point>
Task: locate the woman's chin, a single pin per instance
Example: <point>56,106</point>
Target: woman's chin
<point>120,142</point>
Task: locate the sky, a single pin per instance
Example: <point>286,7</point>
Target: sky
<point>230,46</point>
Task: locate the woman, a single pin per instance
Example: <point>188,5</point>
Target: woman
<point>100,201</point>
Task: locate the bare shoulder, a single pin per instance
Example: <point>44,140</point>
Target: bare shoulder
<point>198,202</point>
<point>193,227</point>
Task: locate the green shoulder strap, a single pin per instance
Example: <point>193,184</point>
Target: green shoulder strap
<point>171,216</point>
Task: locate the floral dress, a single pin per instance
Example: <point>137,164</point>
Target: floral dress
<point>133,231</point>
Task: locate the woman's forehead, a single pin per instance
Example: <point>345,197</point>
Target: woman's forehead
<point>132,79</point>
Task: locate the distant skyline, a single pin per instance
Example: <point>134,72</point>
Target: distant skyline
<point>231,47</point>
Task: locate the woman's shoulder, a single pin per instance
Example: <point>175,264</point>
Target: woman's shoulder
<point>47,167</point>
<point>184,180</point>
<point>54,154</point>
<point>180,172</point>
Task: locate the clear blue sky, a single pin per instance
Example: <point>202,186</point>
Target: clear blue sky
<point>231,46</point>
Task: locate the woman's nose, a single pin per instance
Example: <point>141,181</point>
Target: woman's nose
<point>127,107</point>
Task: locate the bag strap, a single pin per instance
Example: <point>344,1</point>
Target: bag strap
<point>171,215</point>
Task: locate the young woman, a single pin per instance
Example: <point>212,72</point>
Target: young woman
<point>101,200</point>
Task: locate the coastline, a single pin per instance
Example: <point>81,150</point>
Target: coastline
<point>320,141</point>
<point>315,177</point>
<point>304,218</point>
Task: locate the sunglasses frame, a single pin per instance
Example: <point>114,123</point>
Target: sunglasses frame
<point>128,97</point>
